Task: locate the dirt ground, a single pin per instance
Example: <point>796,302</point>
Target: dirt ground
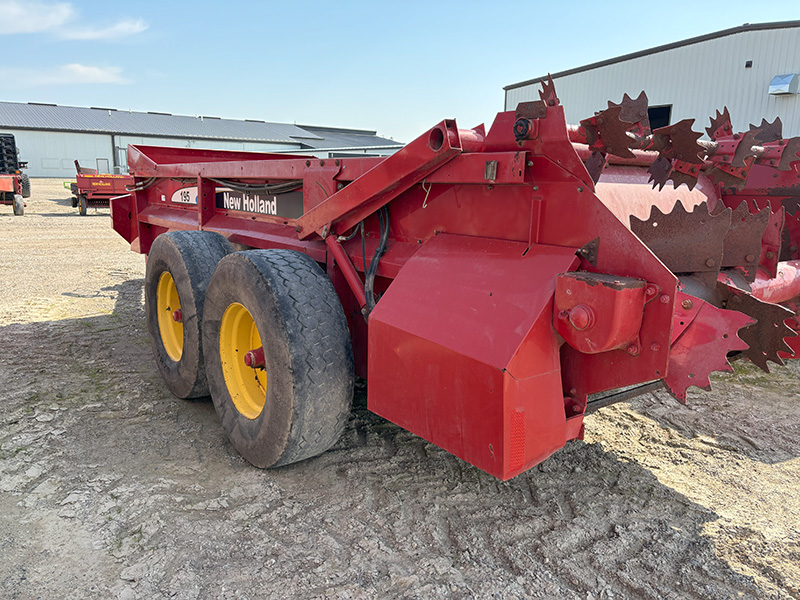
<point>112,488</point>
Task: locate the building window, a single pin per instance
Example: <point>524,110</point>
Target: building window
<point>659,116</point>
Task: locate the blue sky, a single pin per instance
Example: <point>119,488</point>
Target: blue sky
<point>397,67</point>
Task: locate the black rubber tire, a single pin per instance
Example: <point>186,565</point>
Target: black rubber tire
<point>19,205</point>
<point>25,185</point>
<point>74,202</point>
<point>308,355</point>
<point>190,258</point>
<point>83,204</point>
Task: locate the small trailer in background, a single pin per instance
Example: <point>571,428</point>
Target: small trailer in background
<point>14,184</point>
<point>96,189</point>
<point>494,287</point>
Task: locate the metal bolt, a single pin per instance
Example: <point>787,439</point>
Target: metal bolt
<point>581,317</point>
<point>580,189</point>
<point>769,255</point>
<point>687,304</point>
<point>710,262</point>
<point>749,258</point>
<point>308,163</point>
<point>177,316</point>
<point>655,347</point>
<point>664,299</point>
<point>650,290</point>
<point>633,349</point>
<point>536,188</point>
<point>529,163</point>
<point>298,229</point>
<point>573,391</point>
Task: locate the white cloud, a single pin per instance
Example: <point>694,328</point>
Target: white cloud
<point>121,29</point>
<point>60,19</point>
<point>71,74</point>
<point>31,17</point>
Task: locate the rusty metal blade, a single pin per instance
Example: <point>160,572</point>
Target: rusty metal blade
<point>607,133</point>
<point>720,125</point>
<point>680,142</point>
<point>765,338</point>
<point>595,165</point>
<point>744,149</point>
<point>678,178</point>
<point>703,347</point>
<point>771,242</point>
<point>791,153</point>
<point>548,92</point>
<point>686,242</point>
<point>659,172</point>
<point>768,132</point>
<point>727,180</point>
<point>790,243</point>
<point>634,112</point>
<point>742,246</point>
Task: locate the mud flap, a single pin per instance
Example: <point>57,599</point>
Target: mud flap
<point>462,352</point>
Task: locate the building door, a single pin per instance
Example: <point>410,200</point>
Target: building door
<point>102,165</point>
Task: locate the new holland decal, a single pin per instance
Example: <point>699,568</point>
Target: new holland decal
<point>289,205</point>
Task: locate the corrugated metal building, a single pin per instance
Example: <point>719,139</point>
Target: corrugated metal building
<point>751,69</point>
<point>51,137</point>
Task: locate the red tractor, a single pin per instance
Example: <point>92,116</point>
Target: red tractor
<point>493,287</point>
<point>14,184</point>
<point>96,189</point>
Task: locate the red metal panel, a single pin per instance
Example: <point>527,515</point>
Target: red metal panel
<point>121,217</point>
<point>492,168</point>
<point>597,313</point>
<point>7,183</point>
<point>574,216</point>
<point>103,186</point>
<point>384,182</point>
<point>452,361</point>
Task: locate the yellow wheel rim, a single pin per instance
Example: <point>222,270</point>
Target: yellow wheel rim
<point>167,302</point>
<point>238,335</point>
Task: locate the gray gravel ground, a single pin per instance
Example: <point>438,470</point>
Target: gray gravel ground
<point>112,488</point>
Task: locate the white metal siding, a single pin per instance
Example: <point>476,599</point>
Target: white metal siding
<point>51,154</point>
<point>696,80</point>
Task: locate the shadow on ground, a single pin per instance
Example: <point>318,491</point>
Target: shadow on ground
<point>113,488</point>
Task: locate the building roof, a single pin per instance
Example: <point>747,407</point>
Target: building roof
<point>695,40</point>
<point>331,137</point>
<point>52,117</point>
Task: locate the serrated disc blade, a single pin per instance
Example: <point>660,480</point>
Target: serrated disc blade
<point>720,125</point>
<point>686,242</point>
<point>742,247</point>
<point>768,132</point>
<point>766,337</point>
<point>790,154</point>
<point>703,347</point>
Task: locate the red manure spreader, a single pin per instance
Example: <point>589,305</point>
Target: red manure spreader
<point>14,184</point>
<point>493,287</point>
<point>96,189</point>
